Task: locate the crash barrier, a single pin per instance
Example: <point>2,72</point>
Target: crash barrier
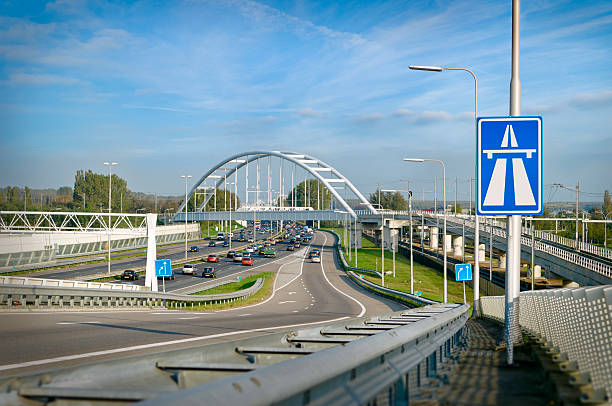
<point>355,275</point>
<point>48,297</point>
<point>387,359</point>
<point>59,283</point>
<point>575,327</point>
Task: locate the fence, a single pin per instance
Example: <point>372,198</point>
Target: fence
<point>575,327</point>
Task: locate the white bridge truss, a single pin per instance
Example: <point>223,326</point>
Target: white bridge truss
<point>331,179</point>
<point>36,221</point>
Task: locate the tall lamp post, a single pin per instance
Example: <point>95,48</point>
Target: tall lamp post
<point>110,177</point>
<point>444,248</point>
<point>186,177</point>
<point>476,278</point>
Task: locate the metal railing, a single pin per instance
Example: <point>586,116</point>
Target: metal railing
<point>14,296</point>
<point>391,358</point>
<point>396,295</point>
<point>575,327</point>
<point>59,283</point>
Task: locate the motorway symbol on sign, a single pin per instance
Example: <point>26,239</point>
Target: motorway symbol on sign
<point>417,293</point>
<point>463,272</point>
<point>503,142</point>
<point>163,267</point>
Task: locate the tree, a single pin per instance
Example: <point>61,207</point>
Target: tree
<point>94,188</point>
<point>64,191</point>
<point>389,200</point>
<point>607,204</point>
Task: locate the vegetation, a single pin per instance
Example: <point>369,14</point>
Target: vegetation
<point>427,280</point>
<point>389,200</point>
<point>310,193</point>
<point>259,296</point>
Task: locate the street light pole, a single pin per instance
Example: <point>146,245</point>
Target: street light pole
<point>476,276</point>
<point>444,200</point>
<point>110,177</point>
<point>185,177</point>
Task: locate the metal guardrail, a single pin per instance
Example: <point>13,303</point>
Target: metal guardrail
<point>370,360</point>
<point>59,283</point>
<point>14,296</point>
<point>575,327</point>
<point>396,295</point>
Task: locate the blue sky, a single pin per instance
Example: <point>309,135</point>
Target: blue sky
<point>172,87</point>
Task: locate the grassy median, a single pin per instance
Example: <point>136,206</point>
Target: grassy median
<point>427,280</point>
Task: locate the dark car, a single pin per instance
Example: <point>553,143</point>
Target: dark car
<point>212,258</point>
<point>209,272</point>
<point>194,248</point>
<point>226,243</point>
<point>230,254</point>
<point>290,247</point>
<point>129,275</point>
<point>212,244</point>
<point>297,244</point>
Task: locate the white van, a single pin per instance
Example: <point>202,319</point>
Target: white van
<point>220,235</point>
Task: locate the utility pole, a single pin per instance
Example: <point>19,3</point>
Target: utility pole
<point>512,331</point>
<point>110,177</point>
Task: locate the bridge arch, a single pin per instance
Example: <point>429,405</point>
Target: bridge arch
<point>315,167</point>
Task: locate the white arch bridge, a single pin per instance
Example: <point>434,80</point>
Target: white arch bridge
<point>264,179</point>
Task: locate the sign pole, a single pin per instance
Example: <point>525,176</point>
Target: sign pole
<point>513,268</point>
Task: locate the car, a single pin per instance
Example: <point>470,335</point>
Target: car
<point>267,244</point>
<point>315,258</point>
<point>250,249</point>
<point>297,244</point>
<point>246,255</point>
<point>290,247</point>
<point>212,244</point>
<point>226,243</point>
<point>230,254</point>
<point>241,238</point>
<point>250,239</point>
<point>129,275</point>
<point>247,261</point>
<point>269,253</point>
<point>220,236</point>
<point>194,248</point>
<point>313,252</point>
<point>188,269</point>
<point>212,258</point>
<point>209,272</point>
<point>238,257</point>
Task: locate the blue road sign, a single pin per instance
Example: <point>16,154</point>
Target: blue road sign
<point>163,267</point>
<point>417,293</point>
<point>509,165</point>
<point>463,272</point>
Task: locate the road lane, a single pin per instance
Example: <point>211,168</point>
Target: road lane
<point>304,293</point>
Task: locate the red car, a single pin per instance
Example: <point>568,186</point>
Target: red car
<point>247,261</point>
<point>213,258</point>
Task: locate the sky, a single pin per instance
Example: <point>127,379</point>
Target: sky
<point>166,88</point>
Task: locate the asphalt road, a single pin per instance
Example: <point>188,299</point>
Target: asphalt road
<point>174,253</point>
<point>304,293</point>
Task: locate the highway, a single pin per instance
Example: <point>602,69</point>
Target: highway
<point>175,252</point>
<point>304,293</point>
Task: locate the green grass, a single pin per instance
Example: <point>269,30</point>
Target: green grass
<point>244,283</point>
<point>259,296</point>
<point>428,280</point>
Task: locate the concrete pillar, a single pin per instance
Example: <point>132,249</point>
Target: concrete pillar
<point>570,284</point>
<point>458,246</point>
<point>481,253</point>
<point>502,261</point>
<point>449,245</point>
<point>356,235</point>
<point>433,238</point>
<point>391,234</point>
<point>537,271</point>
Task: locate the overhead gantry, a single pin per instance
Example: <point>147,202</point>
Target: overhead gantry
<point>331,178</point>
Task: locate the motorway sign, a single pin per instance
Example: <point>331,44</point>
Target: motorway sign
<point>463,272</point>
<point>163,267</point>
<point>509,165</point>
<point>417,293</point>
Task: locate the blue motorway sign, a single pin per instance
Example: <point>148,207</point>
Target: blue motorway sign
<point>463,272</point>
<point>163,267</point>
<point>509,165</point>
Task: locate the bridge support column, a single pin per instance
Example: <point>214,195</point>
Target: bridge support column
<point>448,243</point>
<point>356,235</point>
<point>537,271</point>
<point>481,252</point>
<point>502,261</point>
<point>390,234</point>
<point>458,246</point>
<point>150,278</point>
<point>433,238</point>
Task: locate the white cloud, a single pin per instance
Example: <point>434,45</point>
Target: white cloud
<point>311,113</point>
<point>43,79</point>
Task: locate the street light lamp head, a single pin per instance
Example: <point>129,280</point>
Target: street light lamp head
<point>427,68</point>
<point>110,163</point>
<point>414,160</point>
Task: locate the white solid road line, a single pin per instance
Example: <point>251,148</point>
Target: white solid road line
<point>64,323</point>
<point>286,301</point>
<point>154,345</point>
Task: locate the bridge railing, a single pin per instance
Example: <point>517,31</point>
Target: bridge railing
<point>575,327</point>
